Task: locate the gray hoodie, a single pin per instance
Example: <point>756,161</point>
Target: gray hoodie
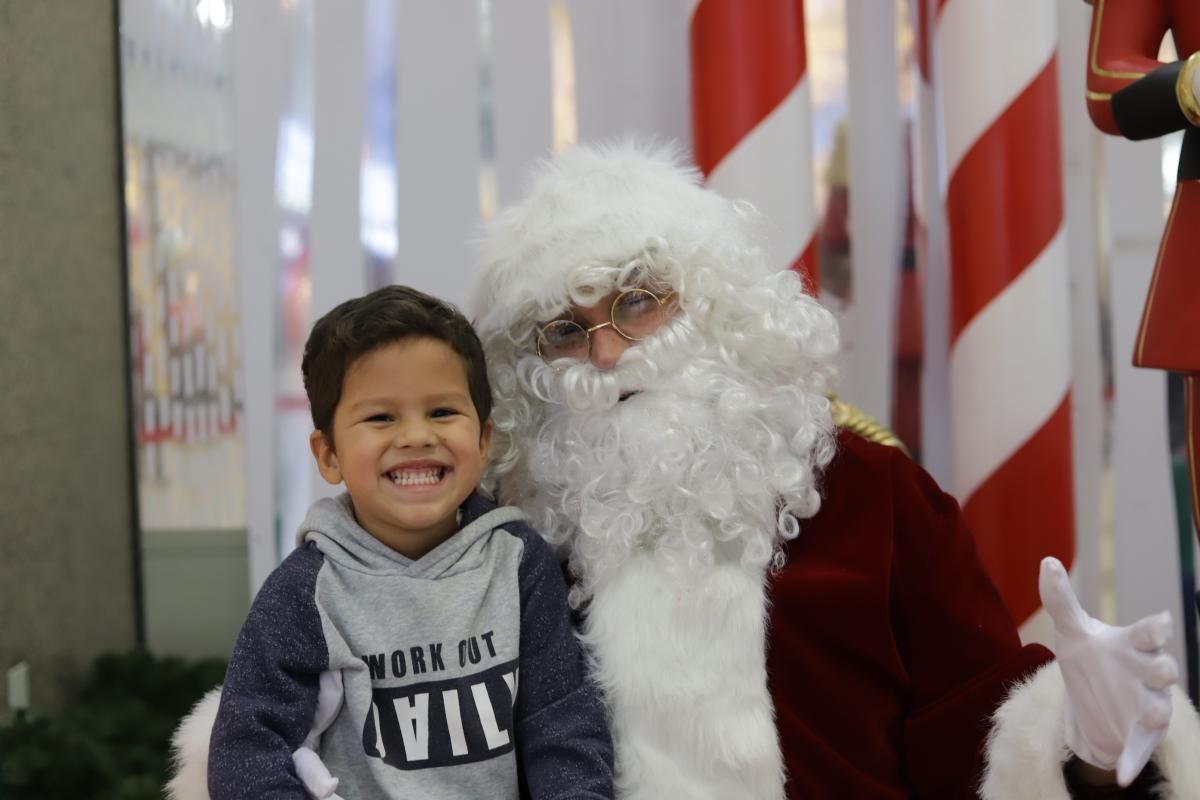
<point>462,674</point>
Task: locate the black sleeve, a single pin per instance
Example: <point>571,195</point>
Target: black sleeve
<point>1148,108</point>
<point>269,698</point>
<point>563,742</point>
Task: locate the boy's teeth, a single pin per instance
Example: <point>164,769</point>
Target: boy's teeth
<point>416,477</point>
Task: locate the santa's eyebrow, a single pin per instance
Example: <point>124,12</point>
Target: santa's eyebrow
<point>566,312</point>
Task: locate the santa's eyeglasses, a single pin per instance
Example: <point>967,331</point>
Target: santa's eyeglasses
<point>634,315</point>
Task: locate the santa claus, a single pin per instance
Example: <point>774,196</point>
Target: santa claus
<point>774,607</point>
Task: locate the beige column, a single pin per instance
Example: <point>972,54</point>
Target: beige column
<point>67,523</point>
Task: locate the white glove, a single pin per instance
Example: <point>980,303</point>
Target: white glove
<point>1116,678</point>
<point>309,767</point>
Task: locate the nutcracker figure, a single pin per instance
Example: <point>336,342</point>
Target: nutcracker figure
<point>1131,93</point>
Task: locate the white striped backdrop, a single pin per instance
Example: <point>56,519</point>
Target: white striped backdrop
<point>631,75</point>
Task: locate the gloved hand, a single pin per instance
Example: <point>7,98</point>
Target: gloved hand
<point>1117,679</point>
<point>309,767</point>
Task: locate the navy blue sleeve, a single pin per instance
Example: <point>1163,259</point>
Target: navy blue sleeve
<point>269,698</point>
<point>563,742</point>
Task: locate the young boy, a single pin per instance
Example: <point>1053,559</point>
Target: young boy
<point>443,616</point>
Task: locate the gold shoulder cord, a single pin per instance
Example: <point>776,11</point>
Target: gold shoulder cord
<point>1183,90</point>
<point>861,424</point>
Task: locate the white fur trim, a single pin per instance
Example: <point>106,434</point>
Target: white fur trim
<point>1027,747</point>
<point>682,663</point>
<point>189,748</point>
<point>1179,755</point>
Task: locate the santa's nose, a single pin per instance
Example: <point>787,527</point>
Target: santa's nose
<point>607,347</point>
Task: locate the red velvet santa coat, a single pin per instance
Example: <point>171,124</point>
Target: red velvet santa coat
<point>889,648</point>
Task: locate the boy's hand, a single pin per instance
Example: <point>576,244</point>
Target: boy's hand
<point>1116,679</point>
<point>314,774</point>
<point>309,767</point>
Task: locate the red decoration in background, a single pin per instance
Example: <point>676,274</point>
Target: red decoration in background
<point>1010,365</point>
<point>750,113</point>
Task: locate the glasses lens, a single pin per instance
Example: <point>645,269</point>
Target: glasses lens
<point>637,314</point>
<point>563,339</point>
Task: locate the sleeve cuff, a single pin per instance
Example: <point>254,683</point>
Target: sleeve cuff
<point>1188,103</point>
<point>1027,747</point>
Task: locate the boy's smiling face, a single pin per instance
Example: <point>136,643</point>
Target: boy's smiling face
<point>407,441</point>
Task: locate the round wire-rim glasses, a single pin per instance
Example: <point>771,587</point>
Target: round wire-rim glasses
<point>633,315</point>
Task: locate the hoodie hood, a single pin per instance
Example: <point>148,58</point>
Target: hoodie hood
<point>330,526</point>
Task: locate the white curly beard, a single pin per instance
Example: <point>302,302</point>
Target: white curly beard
<point>672,504</point>
<point>701,465</point>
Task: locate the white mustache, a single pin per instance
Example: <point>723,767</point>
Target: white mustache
<point>581,386</point>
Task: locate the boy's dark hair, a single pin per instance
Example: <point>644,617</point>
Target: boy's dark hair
<point>387,315</point>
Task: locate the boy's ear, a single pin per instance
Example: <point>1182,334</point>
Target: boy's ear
<point>485,441</point>
<point>326,458</point>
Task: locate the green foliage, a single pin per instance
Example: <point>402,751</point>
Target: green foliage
<point>111,742</point>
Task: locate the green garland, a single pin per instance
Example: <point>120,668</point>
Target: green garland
<point>111,741</point>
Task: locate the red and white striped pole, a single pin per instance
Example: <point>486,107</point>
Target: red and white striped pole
<point>1010,371</point>
<point>750,117</point>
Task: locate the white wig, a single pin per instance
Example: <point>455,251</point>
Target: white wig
<point>601,218</point>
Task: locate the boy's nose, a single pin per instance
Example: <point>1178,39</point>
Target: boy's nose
<point>607,347</point>
<point>415,434</point>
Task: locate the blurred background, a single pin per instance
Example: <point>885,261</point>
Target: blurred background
<point>185,185</point>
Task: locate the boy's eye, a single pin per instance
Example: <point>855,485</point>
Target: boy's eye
<point>379,418</point>
<point>443,412</point>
